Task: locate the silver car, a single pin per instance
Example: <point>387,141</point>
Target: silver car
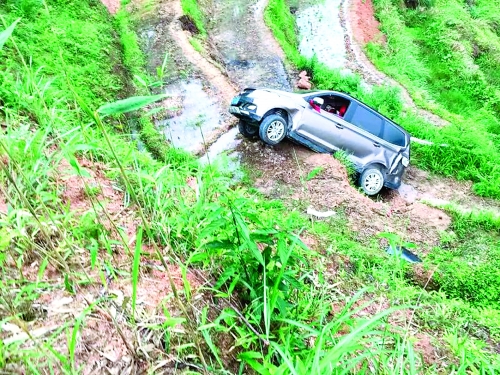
<point>327,121</point>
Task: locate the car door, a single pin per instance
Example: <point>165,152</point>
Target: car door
<point>319,127</point>
<point>363,138</point>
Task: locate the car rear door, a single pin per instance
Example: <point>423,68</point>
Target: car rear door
<point>363,138</point>
<point>319,127</point>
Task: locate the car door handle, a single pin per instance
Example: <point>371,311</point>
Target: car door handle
<point>376,144</point>
<point>339,126</point>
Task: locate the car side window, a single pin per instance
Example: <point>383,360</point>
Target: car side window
<point>393,135</point>
<point>367,120</point>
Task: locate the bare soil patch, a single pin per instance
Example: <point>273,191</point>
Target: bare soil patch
<point>97,192</point>
<point>365,28</point>
<point>111,5</point>
<point>282,171</point>
<point>441,190</point>
<point>3,205</point>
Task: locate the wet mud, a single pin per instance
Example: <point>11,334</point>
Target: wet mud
<point>199,115</point>
<point>200,89</point>
<point>242,40</point>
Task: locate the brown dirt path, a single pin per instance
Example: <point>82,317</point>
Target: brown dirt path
<point>212,73</point>
<point>361,27</point>
<point>111,5</point>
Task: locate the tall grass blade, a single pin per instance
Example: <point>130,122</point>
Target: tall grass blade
<point>135,267</point>
<point>128,105</point>
<point>4,35</point>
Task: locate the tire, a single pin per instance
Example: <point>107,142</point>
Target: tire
<point>371,180</point>
<point>272,129</point>
<point>247,130</point>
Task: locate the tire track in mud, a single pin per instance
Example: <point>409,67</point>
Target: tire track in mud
<point>251,55</point>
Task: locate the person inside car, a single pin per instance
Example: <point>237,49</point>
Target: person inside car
<point>342,111</point>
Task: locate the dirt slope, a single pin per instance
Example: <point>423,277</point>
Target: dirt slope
<point>360,27</point>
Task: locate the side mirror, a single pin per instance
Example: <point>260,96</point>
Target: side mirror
<point>317,101</point>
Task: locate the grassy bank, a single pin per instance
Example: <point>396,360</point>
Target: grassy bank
<point>473,146</point>
<point>101,244</point>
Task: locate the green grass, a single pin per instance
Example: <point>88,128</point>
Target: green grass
<point>133,58</point>
<point>279,306</point>
<point>196,45</point>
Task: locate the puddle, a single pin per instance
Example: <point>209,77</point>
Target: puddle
<point>321,33</point>
<point>227,141</point>
<point>200,115</point>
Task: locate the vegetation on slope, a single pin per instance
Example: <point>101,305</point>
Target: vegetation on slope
<point>269,298</point>
<point>473,147</point>
<point>447,56</point>
<point>466,263</point>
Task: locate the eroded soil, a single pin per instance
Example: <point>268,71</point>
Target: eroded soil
<point>282,173</point>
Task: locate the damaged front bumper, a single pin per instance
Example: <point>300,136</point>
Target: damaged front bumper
<point>393,180</point>
<point>243,107</point>
<point>245,115</point>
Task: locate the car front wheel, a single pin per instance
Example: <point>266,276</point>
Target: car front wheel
<point>272,129</point>
<point>248,130</point>
<point>371,181</point>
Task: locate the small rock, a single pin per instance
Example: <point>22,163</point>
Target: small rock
<point>304,84</point>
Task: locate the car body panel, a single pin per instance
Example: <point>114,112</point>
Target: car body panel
<point>362,132</point>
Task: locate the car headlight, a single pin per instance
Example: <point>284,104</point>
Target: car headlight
<point>251,107</point>
<point>405,161</point>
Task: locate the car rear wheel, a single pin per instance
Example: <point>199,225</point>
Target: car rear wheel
<point>248,130</point>
<point>371,180</point>
<point>272,129</point>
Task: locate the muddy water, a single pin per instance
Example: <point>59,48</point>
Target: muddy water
<point>201,114</point>
<point>199,117</point>
<point>226,142</point>
<point>321,34</point>
<point>241,44</point>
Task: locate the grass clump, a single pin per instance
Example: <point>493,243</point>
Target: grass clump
<point>198,47</point>
<point>192,9</point>
<point>133,58</point>
<point>469,258</point>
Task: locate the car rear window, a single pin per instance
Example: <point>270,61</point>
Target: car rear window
<point>367,120</point>
<point>393,135</point>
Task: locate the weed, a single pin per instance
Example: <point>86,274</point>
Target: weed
<point>196,45</point>
<point>343,157</point>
